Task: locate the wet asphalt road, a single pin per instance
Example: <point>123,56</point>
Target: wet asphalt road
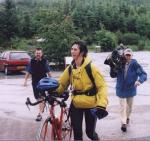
<point>18,123</point>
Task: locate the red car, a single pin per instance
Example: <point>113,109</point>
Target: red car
<point>14,61</point>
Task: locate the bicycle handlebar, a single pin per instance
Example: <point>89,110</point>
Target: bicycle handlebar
<point>49,98</point>
<point>28,102</point>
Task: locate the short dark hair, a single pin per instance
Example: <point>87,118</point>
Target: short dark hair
<point>38,48</point>
<point>82,46</point>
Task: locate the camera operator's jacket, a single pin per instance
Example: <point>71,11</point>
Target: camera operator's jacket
<point>125,85</point>
<point>80,80</point>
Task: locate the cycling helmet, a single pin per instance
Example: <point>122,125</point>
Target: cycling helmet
<point>47,84</point>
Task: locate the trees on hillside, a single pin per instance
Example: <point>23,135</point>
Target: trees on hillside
<point>58,31</point>
<point>60,22</point>
<point>8,22</point>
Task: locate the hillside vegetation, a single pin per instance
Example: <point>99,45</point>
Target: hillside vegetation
<point>60,22</point>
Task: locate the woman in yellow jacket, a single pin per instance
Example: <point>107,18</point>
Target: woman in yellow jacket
<point>86,98</point>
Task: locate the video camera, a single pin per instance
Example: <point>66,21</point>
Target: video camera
<point>116,59</point>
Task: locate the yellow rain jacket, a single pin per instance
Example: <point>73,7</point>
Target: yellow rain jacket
<point>80,80</point>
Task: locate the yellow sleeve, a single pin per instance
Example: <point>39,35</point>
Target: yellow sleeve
<point>64,81</point>
<point>102,99</point>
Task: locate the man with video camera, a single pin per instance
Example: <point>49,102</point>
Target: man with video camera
<point>129,74</point>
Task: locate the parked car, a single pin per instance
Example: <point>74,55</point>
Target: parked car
<point>11,61</point>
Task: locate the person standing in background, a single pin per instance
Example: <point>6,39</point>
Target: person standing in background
<point>38,68</point>
<point>129,77</point>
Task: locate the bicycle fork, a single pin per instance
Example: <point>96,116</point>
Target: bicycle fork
<point>56,129</point>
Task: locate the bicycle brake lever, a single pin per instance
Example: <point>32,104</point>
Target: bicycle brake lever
<point>28,106</point>
<point>27,103</point>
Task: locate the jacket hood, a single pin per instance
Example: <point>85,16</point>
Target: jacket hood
<point>77,71</point>
<point>87,60</point>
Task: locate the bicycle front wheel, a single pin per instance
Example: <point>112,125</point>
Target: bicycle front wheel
<point>46,132</point>
<point>66,128</point>
<point>66,132</point>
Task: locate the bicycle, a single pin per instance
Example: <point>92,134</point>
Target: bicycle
<point>54,128</point>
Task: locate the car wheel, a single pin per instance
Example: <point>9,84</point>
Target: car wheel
<point>6,71</point>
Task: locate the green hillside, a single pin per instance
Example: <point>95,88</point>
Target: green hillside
<point>99,22</point>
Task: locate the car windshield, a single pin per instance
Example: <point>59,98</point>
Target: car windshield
<point>18,55</point>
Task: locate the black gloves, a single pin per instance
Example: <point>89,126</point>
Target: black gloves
<point>99,112</point>
<point>65,95</point>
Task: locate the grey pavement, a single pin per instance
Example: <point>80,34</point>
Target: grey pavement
<point>18,123</point>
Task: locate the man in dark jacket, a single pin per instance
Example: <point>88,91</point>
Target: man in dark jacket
<point>38,68</point>
<point>128,78</point>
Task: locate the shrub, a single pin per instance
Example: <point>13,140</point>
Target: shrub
<point>107,40</point>
<point>20,44</point>
<point>130,39</point>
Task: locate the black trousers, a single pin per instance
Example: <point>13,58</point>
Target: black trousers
<point>37,93</point>
<point>77,119</point>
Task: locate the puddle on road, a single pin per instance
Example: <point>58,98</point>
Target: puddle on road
<point>9,113</point>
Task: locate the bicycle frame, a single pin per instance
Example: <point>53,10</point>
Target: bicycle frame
<point>56,122</point>
<point>53,123</point>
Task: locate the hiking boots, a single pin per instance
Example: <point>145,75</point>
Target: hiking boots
<point>38,118</point>
<point>124,127</point>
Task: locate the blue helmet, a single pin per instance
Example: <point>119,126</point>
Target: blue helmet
<point>47,84</point>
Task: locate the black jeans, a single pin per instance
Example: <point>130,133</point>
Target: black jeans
<point>76,115</point>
